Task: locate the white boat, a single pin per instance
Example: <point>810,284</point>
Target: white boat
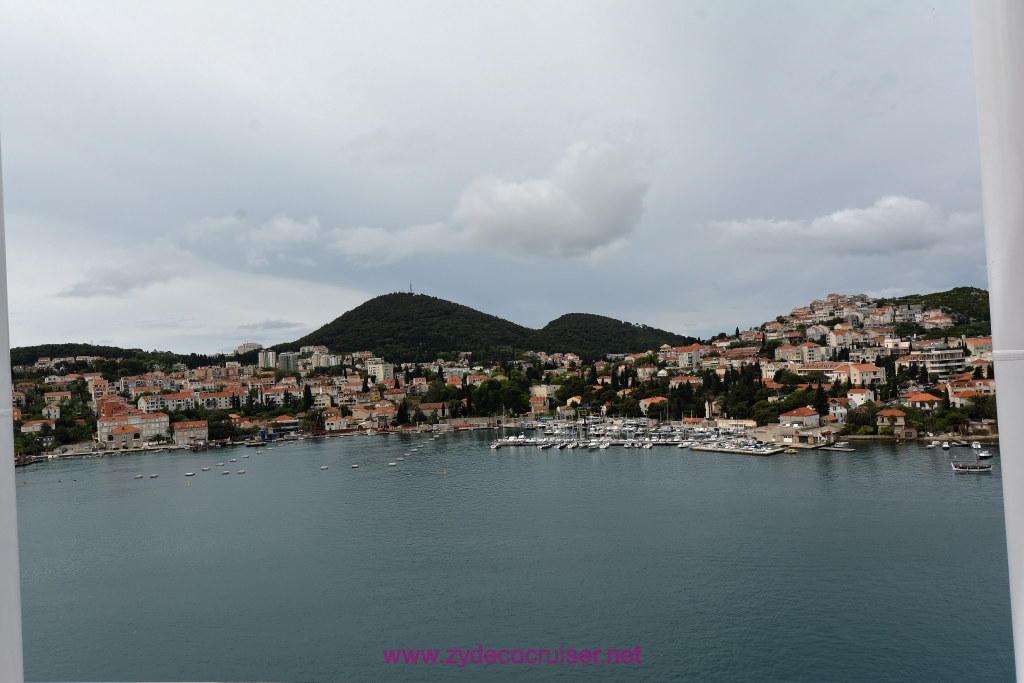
<point>241,471</point>
<point>945,445</point>
<point>976,445</point>
<point>225,472</point>
<point>190,474</point>
<point>245,456</point>
<point>138,476</point>
<point>153,476</point>
<point>392,464</point>
<point>323,467</point>
<point>982,455</point>
<point>354,466</point>
<point>220,464</point>
<point>234,459</point>
<point>206,469</point>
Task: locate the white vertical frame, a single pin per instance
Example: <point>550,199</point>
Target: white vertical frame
<point>12,666</point>
<point>997,28</point>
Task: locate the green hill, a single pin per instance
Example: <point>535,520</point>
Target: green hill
<point>417,327</point>
<point>590,335</point>
<point>965,305</point>
<point>137,359</point>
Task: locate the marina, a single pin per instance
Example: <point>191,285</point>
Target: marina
<point>619,434</point>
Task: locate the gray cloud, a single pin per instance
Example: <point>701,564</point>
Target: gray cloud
<point>270,325</point>
<point>117,281</point>
<point>393,149</point>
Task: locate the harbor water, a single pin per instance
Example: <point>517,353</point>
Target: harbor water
<point>878,564</point>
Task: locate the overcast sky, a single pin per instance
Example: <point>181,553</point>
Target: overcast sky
<point>191,175</point>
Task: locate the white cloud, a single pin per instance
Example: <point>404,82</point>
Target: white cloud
<point>893,224</point>
<point>593,197</point>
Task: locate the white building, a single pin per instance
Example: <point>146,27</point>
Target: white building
<point>379,371</point>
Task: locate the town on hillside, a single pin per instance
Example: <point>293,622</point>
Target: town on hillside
<point>837,367</point>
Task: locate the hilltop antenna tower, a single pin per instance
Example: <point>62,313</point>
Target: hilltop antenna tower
<point>410,286</point>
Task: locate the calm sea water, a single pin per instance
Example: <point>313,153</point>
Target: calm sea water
<point>879,564</point>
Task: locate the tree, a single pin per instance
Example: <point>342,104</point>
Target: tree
<point>307,398</point>
<point>820,401</point>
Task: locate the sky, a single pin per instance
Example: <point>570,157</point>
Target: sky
<point>188,176</point>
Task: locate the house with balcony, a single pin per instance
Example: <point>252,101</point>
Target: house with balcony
<point>895,419</point>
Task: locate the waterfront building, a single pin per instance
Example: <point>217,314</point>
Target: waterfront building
<point>150,426</point>
<point>187,432</point>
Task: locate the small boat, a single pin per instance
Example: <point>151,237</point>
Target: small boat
<point>220,464</point>
<point>190,474</point>
<point>241,471</point>
<point>225,472</point>
<point>138,476</point>
<point>945,445</point>
<point>976,467</point>
<point>245,456</point>
<point>323,467</point>
<point>392,464</point>
<point>399,459</point>
<point>206,469</point>
<point>234,459</point>
<point>153,476</point>
<point>790,451</point>
<point>984,454</point>
<point>976,445</point>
